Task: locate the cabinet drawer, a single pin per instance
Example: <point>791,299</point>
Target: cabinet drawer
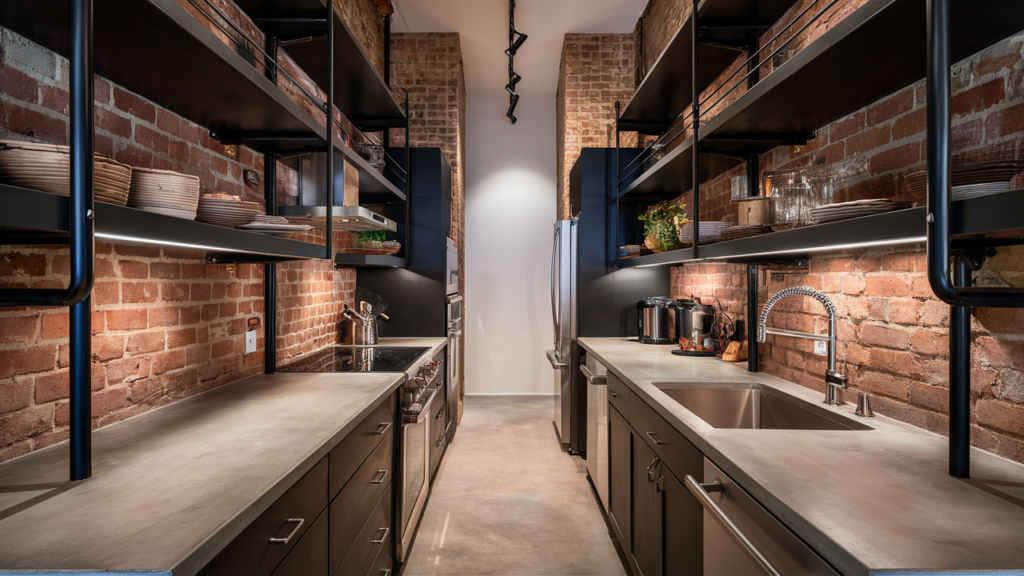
<point>438,431</point>
<point>374,537</point>
<point>384,563</point>
<point>309,557</point>
<point>618,395</point>
<point>351,452</point>
<point>675,451</point>
<point>356,501</point>
<point>253,553</point>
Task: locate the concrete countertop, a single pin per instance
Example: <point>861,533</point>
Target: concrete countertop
<point>868,501</point>
<point>172,487</point>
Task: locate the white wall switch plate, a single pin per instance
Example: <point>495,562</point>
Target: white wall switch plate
<point>250,341</point>
<point>820,348</point>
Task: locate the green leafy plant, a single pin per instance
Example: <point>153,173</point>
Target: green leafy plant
<point>663,221</point>
<point>372,236</point>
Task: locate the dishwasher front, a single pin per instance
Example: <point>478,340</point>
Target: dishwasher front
<point>597,426</point>
<point>741,538</point>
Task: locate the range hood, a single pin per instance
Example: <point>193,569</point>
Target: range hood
<point>346,218</point>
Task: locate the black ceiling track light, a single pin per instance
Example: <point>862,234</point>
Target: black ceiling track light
<point>515,41</point>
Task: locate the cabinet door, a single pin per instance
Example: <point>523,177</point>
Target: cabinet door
<point>683,538</point>
<point>646,510</point>
<point>618,476</point>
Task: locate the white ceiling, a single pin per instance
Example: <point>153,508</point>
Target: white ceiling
<point>483,29</point>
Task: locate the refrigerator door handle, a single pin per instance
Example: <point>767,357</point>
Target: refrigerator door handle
<point>555,362</point>
<point>554,309</point>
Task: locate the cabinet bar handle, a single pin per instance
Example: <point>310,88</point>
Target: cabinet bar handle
<point>614,394</point>
<point>382,431</point>
<point>700,491</point>
<point>382,538</point>
<point>653,436</point>
<point>595,379</point>
<point>381,481</point>
<point>649,466</point>
<point>300,522</point>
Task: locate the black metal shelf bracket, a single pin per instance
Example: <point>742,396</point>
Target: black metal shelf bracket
<point>82,237</point>
<point>956,291</point>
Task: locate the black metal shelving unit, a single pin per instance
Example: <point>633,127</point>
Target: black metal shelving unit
<point>881,47</point>
<point>368,260</point>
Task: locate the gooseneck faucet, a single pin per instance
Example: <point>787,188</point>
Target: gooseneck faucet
<point>833,380</point>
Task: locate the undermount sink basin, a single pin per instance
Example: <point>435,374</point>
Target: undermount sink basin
<point>753,406</point>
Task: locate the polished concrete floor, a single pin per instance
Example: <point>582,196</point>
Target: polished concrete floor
<point>507,500</point>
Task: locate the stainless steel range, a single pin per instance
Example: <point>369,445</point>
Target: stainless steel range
<point>421,395</point>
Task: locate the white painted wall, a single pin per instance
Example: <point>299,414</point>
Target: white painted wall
<point>511,191</point>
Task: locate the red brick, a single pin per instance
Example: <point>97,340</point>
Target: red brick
<point>18,264</point>
<point>896,158</point>
<point>1001,417</point>
<point>909,125</point>
<point>167,121</point>
<point>224,347</point>
<point>930,397</point>
<point>137,251</point>
<point>139,292</point>
<point>930,342</point>
<point>107,348</point>
<point>134,105</point>
<point>19,85</point>
<point>109,400</point>
<point>152,139</point>
<point>17,329</point>
<point>169,360</point>
<point>54,98</point>
<point>25,423</point>
<point>129,319</point>
<point>127,370</point>
<point>1005,122</point>
<point>182,337</point>
<point>1000,352</point>
<point>846,127</point>
<point>132,270</point>
<point>165,270</point>
<point>28,122</point>
<point>875,335</point>
<point>28,360</point>
<point>15,394</point>
<point>174,291</point>
<point>978,98</point>
<point>113,123</point>
<point>868,140</point>
<point>891,107</point>
<point>105,293</point>
<point>101,91</point>
<point>1001,320</point>
<point>145,342</point>
<point>885,286</point>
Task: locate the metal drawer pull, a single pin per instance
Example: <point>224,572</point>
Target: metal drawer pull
<point>652,436</point>
<point>593,378</point>
<point>381,481</point>
<point>381,431</point>
<point>440,413</point>
<point>614,394</point>
<point>700,491</point>
<point>386,572</point>
<point>651,465</point>
<point>285,540</point>
<point>382,538</point>
<point>441,439</point>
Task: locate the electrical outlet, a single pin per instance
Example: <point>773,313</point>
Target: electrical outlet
<point>250,341</point>
<point>820,348</point>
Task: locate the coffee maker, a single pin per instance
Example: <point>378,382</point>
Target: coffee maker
<point>694,320</point>
<point>656,320</point>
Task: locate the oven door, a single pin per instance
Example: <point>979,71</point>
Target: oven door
<point>415,454</point>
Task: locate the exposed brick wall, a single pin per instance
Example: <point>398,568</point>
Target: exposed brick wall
<point>595,71</point>
<point>893,333</point>
<point>367,27</point>
<point>166,325</point>
<point>429,66</point>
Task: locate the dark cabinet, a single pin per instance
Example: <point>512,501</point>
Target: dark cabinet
<point>618,475</point>
<point>645,514</point>
<point>682,528</point>
<point>309,557</point>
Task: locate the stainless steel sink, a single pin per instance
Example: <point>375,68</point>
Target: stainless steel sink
<point>753,406</point>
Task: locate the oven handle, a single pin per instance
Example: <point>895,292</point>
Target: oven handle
<point>423,413</point>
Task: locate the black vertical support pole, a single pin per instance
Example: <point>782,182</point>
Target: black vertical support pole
<point>270,46</point>
<point>330,130</point>
<point>938,148</point>
<point>82,237</point>
<point>408,184</point>
<point>387,51</point>
<point>960,378</point>
<point>752,317</point>
<point>696,132</point>
<point>270,271</point>
<point>618,185</point>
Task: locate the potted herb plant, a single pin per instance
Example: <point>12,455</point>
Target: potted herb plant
<point>662,223</point>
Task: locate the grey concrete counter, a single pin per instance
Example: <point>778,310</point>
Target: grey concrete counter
<point>172,487</point>
<point>869,501</point>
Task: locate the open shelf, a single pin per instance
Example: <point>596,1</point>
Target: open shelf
<point>30,216</point>
<point>359,91</point>
<point>157,49</point>
<point>997,216</point>
<point>368,261</point>
<point>374,187</point>
<point>666,90</point>
<point>833,76</point>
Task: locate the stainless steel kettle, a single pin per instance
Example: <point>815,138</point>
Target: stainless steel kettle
<point>694,320</point>
<point>653,322</point>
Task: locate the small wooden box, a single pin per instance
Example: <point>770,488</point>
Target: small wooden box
<point>351,184</point>
<point>756,211</point>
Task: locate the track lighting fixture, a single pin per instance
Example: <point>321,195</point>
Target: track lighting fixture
<point>515,45</point>
<point>515,41</point>
<point>512,107</point>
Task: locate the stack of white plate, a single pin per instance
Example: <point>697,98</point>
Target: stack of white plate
<point>855,209</point>
<point>274,226</point>
<point>47,168</point>
<point>710,231</point>
<point>975,190</point>
<point>226,210</point>
<point>737,232</point>
<point>165,192</point>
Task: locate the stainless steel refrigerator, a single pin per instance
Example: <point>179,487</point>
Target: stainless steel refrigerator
<point>590,295</point>
<point>563,315</point>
